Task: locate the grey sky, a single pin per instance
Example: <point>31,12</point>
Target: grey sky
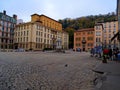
<point>57,9</point>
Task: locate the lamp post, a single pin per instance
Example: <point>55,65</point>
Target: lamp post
<point>114,40</point>
<point>53,39</point>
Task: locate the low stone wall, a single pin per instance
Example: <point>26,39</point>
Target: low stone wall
<point>6,50</point>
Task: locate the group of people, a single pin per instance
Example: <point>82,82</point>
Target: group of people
<point>111,54</point>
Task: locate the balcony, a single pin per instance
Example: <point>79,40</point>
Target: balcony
<point>6,37</point>
<point>83,41</point>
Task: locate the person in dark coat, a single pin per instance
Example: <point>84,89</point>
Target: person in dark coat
<point>110,54</point>
<point>116,53</point>
<point>92,52</point>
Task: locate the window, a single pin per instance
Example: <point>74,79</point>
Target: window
<point>3,28</point>
<point>45,35</point>
<point>24,27</point>
<point>47,41</point>
<point>39,39</point>
<point>26,39</point>
<point>27,33</point>
<point>114,26</point>
<point>109,30</point>
<point>18,33</point>
<point>104,30</point>
<point>109,35</point>
<point>76,39</point>
<point>21,33</point>
<point>109,26</point>
<point>24,33</point>
<point>109,41</point>
<point>83,38</point>
<point>48,35</point>
<point>2,33</point>
<point>97,39</point>
<point>88,38</point>
<point>96,27</point>
<point>44,40</point>
<point>91,32</point>
<point>41,34</point>
<point>18,39</point>
<point>83,33</point>
<point>27,26</point>
<point>104,25</point>
<point>36,39</point>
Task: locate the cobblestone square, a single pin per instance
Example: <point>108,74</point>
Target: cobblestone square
<point>46,71</point>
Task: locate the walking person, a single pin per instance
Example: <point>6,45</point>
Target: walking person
<point>116,53</point>
<point>105,55</point>
<point>92,52</point>
<point>110,54</point>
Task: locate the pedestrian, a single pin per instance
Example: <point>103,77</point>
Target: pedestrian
<point>92,52</point>
<point>116,53</point>
<point>105,55</point>
<point>99,51</point>
<point>110,54</point>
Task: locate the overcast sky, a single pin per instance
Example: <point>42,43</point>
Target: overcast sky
<point>57,9</point>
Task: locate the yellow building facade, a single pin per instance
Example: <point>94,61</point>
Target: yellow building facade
<point>36,35</point>
<point>47,21</point>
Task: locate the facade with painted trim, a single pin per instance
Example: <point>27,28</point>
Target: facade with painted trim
<point>7,26</point>
<point>39,34</point>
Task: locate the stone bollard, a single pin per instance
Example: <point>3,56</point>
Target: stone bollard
<point>104,59</point>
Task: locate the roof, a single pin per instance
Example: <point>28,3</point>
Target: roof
<point>46,17</point>
<point>86,29</point>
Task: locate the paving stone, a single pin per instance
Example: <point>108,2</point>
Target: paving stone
<point>46,71</point>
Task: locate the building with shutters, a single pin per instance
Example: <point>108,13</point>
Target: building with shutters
<point>41,32</point>
<point>7,26</point>
<point>84,39</point>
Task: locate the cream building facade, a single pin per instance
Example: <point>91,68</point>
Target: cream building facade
<point>104,32</point>
<point>36,35</point>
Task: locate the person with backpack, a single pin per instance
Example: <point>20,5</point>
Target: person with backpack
<point>105,55</point>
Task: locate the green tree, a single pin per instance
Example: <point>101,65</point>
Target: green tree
<point>71,36</point>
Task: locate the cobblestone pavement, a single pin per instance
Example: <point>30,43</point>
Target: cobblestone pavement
<point>46,71</point>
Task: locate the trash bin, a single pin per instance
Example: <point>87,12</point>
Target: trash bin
<point>118,56</point>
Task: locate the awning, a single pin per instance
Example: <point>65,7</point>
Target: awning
<point>114,36</point>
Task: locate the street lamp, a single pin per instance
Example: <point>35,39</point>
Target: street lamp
<point>53,43</point>
<point>114,39</point>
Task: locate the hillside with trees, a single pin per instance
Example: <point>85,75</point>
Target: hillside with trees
<point>71,25</point>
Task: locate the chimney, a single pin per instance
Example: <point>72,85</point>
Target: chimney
<point>4,12</point>
<point>15,16</point>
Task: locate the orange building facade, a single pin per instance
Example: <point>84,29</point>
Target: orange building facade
<point>84,39</point>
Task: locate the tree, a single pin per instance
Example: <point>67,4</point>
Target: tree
<point>71,36</point>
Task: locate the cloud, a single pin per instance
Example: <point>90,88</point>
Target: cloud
<point>57,9</point>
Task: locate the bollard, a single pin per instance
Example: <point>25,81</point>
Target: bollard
<point>104,59</point>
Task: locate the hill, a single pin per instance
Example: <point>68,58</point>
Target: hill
<point>70,25</point>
